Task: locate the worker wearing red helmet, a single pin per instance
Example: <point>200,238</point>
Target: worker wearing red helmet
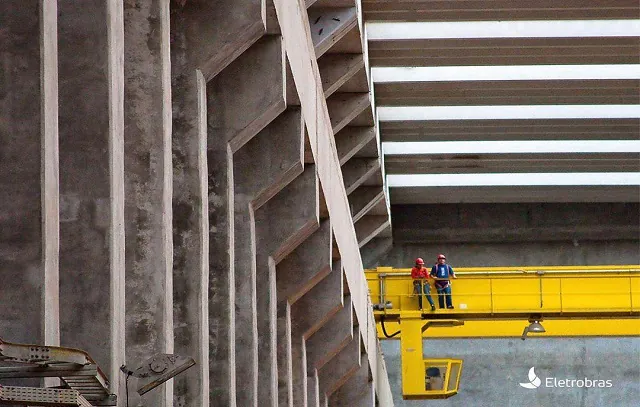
<point>441,272</point>
<point>420,276</point>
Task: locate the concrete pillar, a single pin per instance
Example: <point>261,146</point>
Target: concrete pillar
<point>221,290</point>
<point>306,265</point>
<point>285,355</point>
<point>91,182</point>
<point>220,39</point>
<point>329,25</point>
<point>370,226</point>
<point>262,167</point>
<point>49,179</point>
<point>352,139</point>
<point>337,69</point>
<point>344,107</point>
<point>357,170</point>
<point>191,237</point>
<point>318,305</point>
<point>148,189</point>
<point>331,338</point>
<point>313,390</point>
<point>295,276</point>
<point>358,391</point>
<point>340,368</point>
<point>281,225</point>
<point>29,172</point>
<point>363,199</point>
<point>249,93</point>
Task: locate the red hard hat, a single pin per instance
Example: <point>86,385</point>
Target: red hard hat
<point>441,256</point>
<point>419,260</point>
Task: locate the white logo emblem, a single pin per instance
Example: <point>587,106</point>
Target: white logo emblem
<point>534,380</point>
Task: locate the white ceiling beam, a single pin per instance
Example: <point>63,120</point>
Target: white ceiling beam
<point>514,146</point>
<point>413,113</point>
<point>502,29</point>
<point>513,179</point>
<point>504,73</point>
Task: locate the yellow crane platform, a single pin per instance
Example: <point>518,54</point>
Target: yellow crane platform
<point>493,301</point>
<point>499,302</point>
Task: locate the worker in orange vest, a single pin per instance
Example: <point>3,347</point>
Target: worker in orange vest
<point>420,276</point>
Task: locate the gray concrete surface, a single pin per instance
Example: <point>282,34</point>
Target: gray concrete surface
<point>517,254</point>
<point>493,369</point>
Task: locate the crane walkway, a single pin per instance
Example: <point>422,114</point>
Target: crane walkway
<point>580,301</point>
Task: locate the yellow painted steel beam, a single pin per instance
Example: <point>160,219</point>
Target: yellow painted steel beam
<point>498,301</point>
<point>513,328</point>
<point>492,291</point>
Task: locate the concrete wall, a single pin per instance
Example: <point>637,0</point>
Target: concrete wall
<point>184,206</point>
<point>493,368</point>
<point>480,235</point>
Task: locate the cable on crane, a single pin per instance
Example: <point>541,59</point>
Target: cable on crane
<point>384,330</point>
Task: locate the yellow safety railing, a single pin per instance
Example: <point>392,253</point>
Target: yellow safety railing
<point>491,291</point>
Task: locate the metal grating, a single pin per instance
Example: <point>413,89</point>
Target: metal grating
<point>35,396</point>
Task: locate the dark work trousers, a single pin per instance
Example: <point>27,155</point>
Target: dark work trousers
<point>444,294</point>
<point>422,289</point>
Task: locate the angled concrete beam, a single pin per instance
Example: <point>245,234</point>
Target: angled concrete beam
<point>304,67</point>
<point>305,266</point>
<point>329,25</point>
<point>341,367</point>
<point>370,226</point>
<point>344,107</point>
<point>270,160</point>
<point>318,305</point>
<point>295,208</point>
<point>363,199</point>
<point>357,170</point>
<point>281,225</point>
<point>358,391</point>
<point>326,342</point>
<point>337,69</point>
<point>351,139</point>
<point>249,93</point>
<point>212,39</point>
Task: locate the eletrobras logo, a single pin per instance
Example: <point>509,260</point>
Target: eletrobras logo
<point>554,382</point>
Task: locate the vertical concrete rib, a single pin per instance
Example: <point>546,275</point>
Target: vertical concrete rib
<point>281,225</point>
<point>22,134</point>
<point>191,235</point>
<point>115,32</point>
<point>91,181</point>
<point>285,355</point>
<point>221,292</point>
<point>148,189</point>
<point>49,169</point>
<point>191,224</point>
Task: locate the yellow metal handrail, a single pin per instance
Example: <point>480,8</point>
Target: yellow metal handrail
<point>546,290</point>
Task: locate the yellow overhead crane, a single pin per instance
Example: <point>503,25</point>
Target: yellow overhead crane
<point>500,302</point>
